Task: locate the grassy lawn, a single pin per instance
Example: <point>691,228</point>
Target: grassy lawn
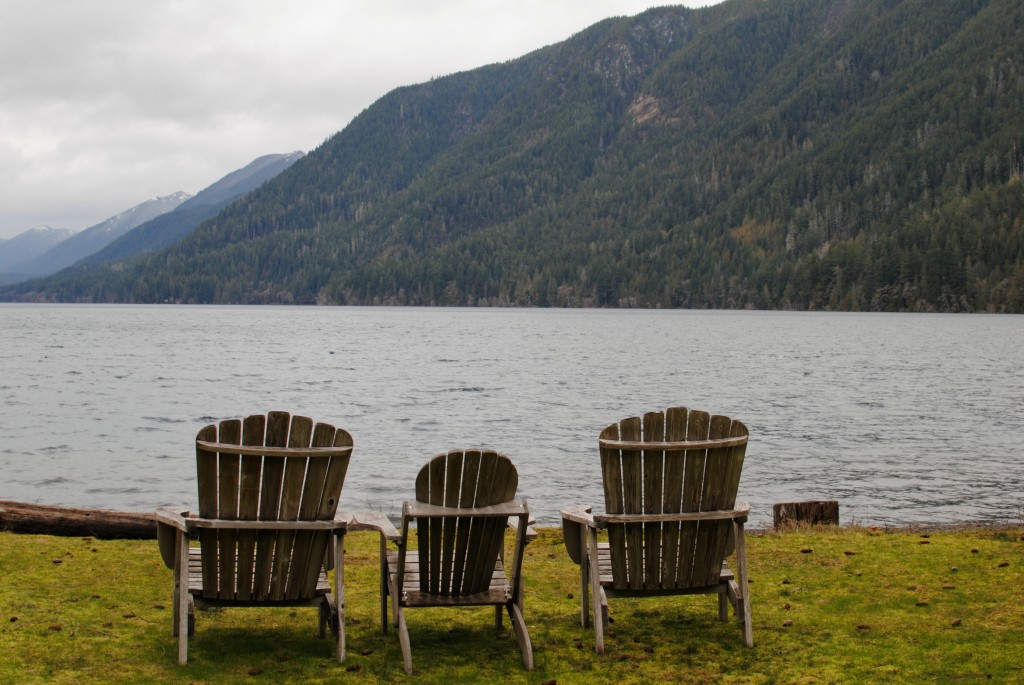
<point>845,605</point>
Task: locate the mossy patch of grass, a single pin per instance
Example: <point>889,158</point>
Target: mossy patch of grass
<point>846,605</point>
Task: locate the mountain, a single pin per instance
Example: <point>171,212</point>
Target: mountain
<point>798,154</point>
<point>169,228</point>
<point>27,246</point>
<point>94,238</point>
<point>241,181</point>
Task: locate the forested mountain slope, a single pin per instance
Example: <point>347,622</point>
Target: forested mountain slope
<point>808,154</point>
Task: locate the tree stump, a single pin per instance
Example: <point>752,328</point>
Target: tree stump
<point>815,512</point>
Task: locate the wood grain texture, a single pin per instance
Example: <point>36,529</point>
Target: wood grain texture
<point>252,561</point>
<point>465,501</point>
<point>269,488</point>
<point>670,483</point>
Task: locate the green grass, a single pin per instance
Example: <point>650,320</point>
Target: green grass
<point>862,606</point>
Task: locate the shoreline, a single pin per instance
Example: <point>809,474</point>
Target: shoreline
<point>43,519</point>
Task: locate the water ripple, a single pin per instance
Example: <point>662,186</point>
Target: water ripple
<point>903,418</point>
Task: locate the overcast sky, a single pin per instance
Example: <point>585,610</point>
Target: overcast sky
<point>107,103</point>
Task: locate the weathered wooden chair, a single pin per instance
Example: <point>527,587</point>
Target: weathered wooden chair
<point>671,515</point>
<point>465,499</point>
<point>268,497</point>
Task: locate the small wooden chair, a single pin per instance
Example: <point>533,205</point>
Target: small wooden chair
<point>671,515</point>
<point>268,498</point>
<point>464,501</point>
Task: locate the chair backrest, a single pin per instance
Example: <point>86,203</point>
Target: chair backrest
<point>457,554</point>
<point>298,476</point>
<point>670,462</point>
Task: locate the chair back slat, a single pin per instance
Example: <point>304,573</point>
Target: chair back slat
<point>278,424</point>
<point>661,480</point>
<point>654,499</point>
<point>254,429</point>
<point>307,542</point>
<point>465,540</point>
<point>633,502</point>
<point>498,486</point>
<point>711,535</point>
<point>452,497</point>
<point>675,431</point>
<point>301,486</point>
<point>430,488</point>
<point>693,473</point>
<point>337,468</point>
<point>228,479</point>
<point>479,559</point>
<point>291,496</point>
<point>458,554</point>
<point>206,477</point>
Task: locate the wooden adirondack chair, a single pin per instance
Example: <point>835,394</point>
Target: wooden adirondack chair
<point>268,497</point>
<point>671,515</point>
<point>464,501</point>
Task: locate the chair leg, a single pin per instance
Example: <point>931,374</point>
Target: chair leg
<point>392,581</point>
<point>596,593</point>
<point>723,606</point>
<point>339,593</point>
<point>732,591</point>
<point>183,598</point>
<point>329,617</point>
<point>584,579</point>
<point>324,612</point>
<point>175,608</point>
<point>384,593</point>
<point>743,606</point>
<point>403,640</point>
<point>515,615</point>
<point>497,617</point>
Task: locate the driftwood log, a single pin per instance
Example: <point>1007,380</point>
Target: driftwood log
<point>813,512</point>
<point>42,519</point>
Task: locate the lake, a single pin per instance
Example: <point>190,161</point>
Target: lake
<point>903,418</point>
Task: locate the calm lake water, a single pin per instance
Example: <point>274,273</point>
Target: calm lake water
<point>904,419</point>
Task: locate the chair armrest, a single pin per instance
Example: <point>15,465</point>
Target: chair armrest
<point>371,520</point>
<point>196,524</point>
<point>738,513</point>
<point>342,522</point>
<point>514,507</point>
<point>172,516</point>
<point>578,513</point>
<point>530,534</point>
<point>574,519</point>
<point>169,522</point>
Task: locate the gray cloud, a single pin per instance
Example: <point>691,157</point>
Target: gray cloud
<point>105,103</point>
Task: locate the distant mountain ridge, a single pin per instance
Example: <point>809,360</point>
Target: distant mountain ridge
<point>94,238</point>
<point>793,154</point>
<point>252,175</point>
<point>171,227</point>
<point>27,246</point>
